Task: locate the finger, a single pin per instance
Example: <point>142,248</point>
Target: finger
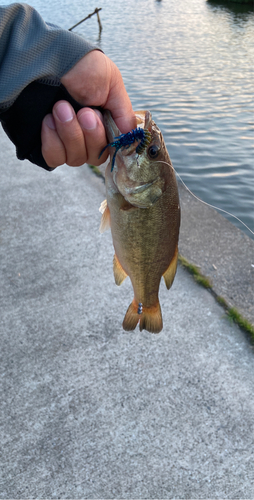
<point>70,133</point>
<point>119,103</point>
<point>96,81</point>
<point>53,150</point>
<point>94,133</point>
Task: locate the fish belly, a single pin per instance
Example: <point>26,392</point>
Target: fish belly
<point>145,242</point>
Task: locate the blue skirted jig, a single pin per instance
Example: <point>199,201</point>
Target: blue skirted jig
<point>125,140</point>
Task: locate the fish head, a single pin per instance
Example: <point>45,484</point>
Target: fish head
<point>140,178</point>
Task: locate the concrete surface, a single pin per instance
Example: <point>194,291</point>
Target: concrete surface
<point>222,251</point>
<point>87,410</point>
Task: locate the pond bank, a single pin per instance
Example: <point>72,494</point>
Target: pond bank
<point>221,251</point>
<point>88,410</point>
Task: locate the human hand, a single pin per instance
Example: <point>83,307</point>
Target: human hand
<point>76,139</point>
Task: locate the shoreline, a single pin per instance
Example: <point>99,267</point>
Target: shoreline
<point>221,251</point>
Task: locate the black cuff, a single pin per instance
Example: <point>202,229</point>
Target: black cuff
<point>22,121</point>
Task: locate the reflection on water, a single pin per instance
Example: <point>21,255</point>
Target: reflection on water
<point>239,9</point>
<point>192,65</point>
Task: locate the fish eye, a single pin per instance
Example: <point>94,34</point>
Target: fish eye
<point>153,152</point>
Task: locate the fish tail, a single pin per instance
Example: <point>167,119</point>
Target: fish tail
<point>132,317</point>
<point>149,318</point>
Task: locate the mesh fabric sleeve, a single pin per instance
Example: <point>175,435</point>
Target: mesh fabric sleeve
<point>34,56</point>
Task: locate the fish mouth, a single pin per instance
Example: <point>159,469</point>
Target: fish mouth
<point>144,119</point>
<point>111,128</point>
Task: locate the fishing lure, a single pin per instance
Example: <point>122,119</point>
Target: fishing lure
<point>125,140</point>
<point>140,308</point>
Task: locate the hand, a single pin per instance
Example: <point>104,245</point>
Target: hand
<point>76,139</point>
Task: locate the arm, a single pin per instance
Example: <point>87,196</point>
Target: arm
<point>32,50</point>
<point>33,58</point>
<point>42,67</point>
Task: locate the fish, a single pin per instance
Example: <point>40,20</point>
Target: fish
<point>143,211</point>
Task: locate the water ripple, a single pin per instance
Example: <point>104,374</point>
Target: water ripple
<point>192,65</point>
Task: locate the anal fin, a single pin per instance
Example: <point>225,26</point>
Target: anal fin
<point>119,272</point>
<point>171,270</point>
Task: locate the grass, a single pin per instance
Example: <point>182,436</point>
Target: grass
<point>198,277</point>
<point>232,313</point>
<point>236,317</point>
<point>222,301</point>
<point>96,171</point>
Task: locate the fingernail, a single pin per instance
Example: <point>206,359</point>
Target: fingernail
<point>64,112</point>
<point>87,120</point>
<point>49,121</point>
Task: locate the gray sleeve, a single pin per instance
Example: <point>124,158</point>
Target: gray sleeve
<point>31,50</point>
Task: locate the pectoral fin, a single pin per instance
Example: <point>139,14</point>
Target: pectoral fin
<point>105,218</point>
<point>119,273</point>
<point>171,270</point>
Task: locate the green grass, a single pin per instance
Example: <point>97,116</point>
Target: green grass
<point>199,278</point>
<point>232,313</point>
<point>96,171</point>
<point>236,317</point>
<point>222,301</point>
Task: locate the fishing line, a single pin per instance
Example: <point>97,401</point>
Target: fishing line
<point>204,202</point>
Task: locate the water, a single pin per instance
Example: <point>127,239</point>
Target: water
<point>192,65</point>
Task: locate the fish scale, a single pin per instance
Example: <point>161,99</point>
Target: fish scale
<point>143,211</point>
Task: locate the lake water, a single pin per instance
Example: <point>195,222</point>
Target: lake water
<point>192,65</point>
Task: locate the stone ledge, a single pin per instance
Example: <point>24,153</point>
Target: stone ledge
<point>222,252</point>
